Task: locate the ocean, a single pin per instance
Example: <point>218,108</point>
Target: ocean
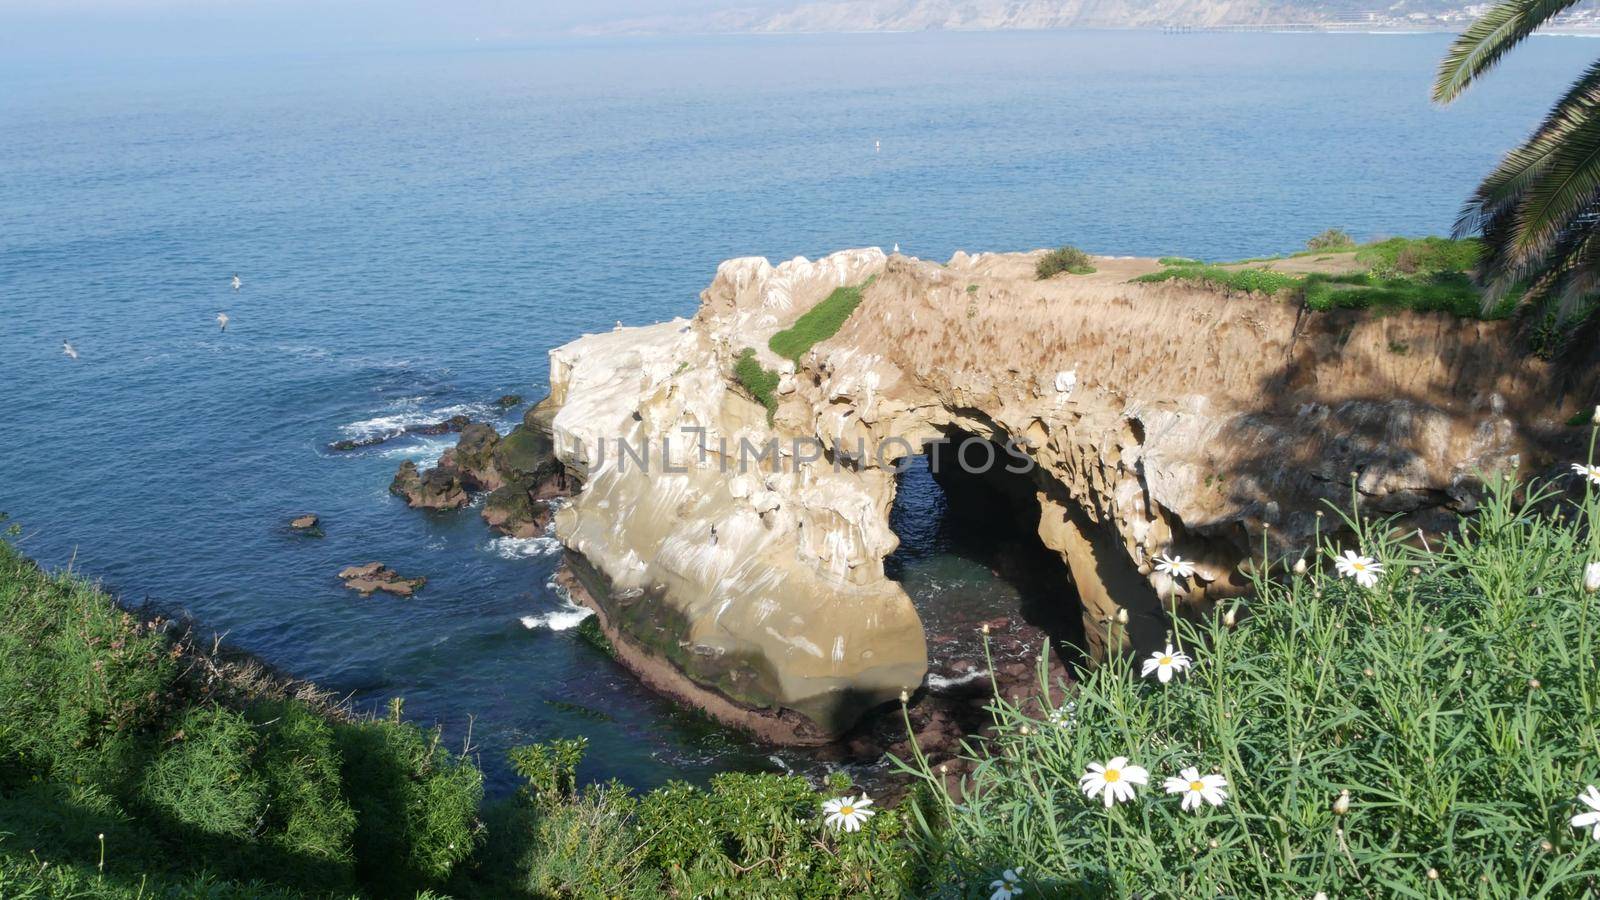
<point>414,229</point>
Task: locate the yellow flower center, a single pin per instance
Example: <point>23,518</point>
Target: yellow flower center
<point>847,810</point>
<point>1197,785</point>
<point>1165,661</point>
<point>1113,775</point>
<point>1359,566</point>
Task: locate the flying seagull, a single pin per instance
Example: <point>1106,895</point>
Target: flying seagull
<point>70,351</point>
<point>236,282</point>
<point>222,319</point>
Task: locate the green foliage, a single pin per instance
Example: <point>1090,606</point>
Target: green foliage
<point>117,766</point>
<point>1419,274</point>
<point>1070,260</point>
<point>745,836</point>
<point>819,323</point>
<point>1332,239</point>
<point>203,778</point>
<point>1537,210</point>
<point>1255,281</point>
<point>551,769</point>
<point>307,814</point>
<point>1457,702</point>
<point>1179,261</point>
<point>415,803</point>
<point>760,381</point>
<point>1420,257</point>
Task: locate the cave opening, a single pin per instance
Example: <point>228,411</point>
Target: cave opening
<point>970,554</point>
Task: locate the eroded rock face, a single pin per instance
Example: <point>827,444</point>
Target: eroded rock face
<point>1159,418</point>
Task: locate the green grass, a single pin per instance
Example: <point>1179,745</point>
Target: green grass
<point>1256,281</point>
<point>1068,260</point>
<point>760,381</point>
<point>819,323</point>
<point>1179,261</point>
<point>1419,274</point>
<point>1457,702</point>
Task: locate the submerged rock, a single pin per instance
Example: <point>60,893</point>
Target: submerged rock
<point>507,401</point>
<point>452,424</point>
<point>371,577</point>
<point>307,524</point>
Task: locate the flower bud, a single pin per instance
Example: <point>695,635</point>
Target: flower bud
<point>905,695</point>
<point>1342,804</point>
<point>1433,874</point>
<point>1231,617</point>
<point>1596,417</point>
<point>1300,566</point>
<point>986,628</point>
<point>1122,615</point>
<point>1591,577</point>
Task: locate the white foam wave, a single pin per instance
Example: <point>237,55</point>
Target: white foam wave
<point>525,548</point>
<point>941,683</point>
<point>425,452</point>
<point>408,412</point>
<point>568,616</point>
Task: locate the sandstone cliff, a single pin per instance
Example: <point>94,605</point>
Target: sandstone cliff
<point>1162,418</point>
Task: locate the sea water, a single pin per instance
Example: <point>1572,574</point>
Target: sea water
<point>414,229</point>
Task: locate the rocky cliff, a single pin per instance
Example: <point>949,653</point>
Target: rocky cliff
<point>1157,418</point>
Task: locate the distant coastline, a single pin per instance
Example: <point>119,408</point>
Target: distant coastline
<point>904,16</point>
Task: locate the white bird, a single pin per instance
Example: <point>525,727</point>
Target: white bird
<point>877,146</point>
<point>70,351</point>
<point>236,282</point>
<point>222,319</point>
<point>897,248</point>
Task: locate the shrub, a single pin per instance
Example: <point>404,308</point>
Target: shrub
<point>204,778</point>
<point>416,805</point>
<point>760,381</point>
<point>1332,239</point>
<point>819,323</point>
<point>307,813</point>
<point>1064,259</point>
<point>1457,702</point>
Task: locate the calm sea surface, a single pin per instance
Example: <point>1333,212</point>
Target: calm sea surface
<point>415,230</point>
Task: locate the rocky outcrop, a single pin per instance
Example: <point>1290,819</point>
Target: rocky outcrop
<point>371,577</point>
<point>747,555</point>
<point>520,472</point>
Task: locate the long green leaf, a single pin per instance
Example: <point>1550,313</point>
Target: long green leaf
<point>1490,38</point>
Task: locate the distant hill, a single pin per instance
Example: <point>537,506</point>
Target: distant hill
<point>987,15</point>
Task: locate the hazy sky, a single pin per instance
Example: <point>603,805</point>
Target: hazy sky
<point>167,26</point>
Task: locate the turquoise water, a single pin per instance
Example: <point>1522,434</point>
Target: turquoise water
<point>414,230</point>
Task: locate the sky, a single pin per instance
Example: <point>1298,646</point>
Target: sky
<point>173,26</point>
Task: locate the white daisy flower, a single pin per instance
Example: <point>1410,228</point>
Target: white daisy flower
<point>1591,473</point>
<point>1175,566</point>
<point>1008,885</point>
<point>1197,788</point>
<point>1590,798</point>
<point>1364,569</point>
<point>1165,663</point>
<point>849,814</point>
<point>1112,782</point>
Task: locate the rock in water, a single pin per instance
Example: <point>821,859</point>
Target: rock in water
<point>375,576</point>
<point>308,524</point>
<point>507,401</point>
<point>438,489</point>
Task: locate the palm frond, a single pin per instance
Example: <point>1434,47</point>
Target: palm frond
<point>1490,38</point>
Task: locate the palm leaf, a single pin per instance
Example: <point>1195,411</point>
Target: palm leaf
<point>1490,38</point>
